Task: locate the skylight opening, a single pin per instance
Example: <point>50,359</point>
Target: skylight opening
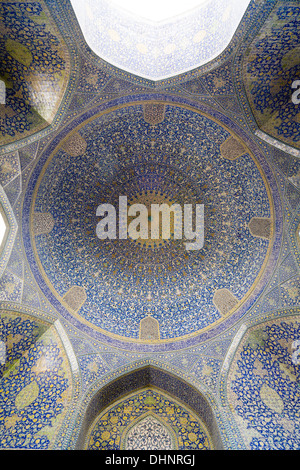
<point>157,10</point>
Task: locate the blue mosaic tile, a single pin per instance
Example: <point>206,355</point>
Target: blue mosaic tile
<point>103,161</point>
<point>10,287</point>
<point>290,292</point>
<point>19,333</point>
<point>288,268</point>
<point>29,50</point>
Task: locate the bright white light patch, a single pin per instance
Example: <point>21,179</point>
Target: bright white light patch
<point>157,10</point>
<point>2,228</point>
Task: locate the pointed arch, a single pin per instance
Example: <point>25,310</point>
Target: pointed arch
<point>148,376</point>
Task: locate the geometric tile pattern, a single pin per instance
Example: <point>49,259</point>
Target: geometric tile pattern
<point>35,389</point>
<point>111,428</point>
<point>34,67</point>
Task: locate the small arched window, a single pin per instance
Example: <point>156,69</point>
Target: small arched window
<point>149,434</point>
<point>3,229</point>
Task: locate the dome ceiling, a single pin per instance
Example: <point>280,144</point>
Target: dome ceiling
<point>149,290</point>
